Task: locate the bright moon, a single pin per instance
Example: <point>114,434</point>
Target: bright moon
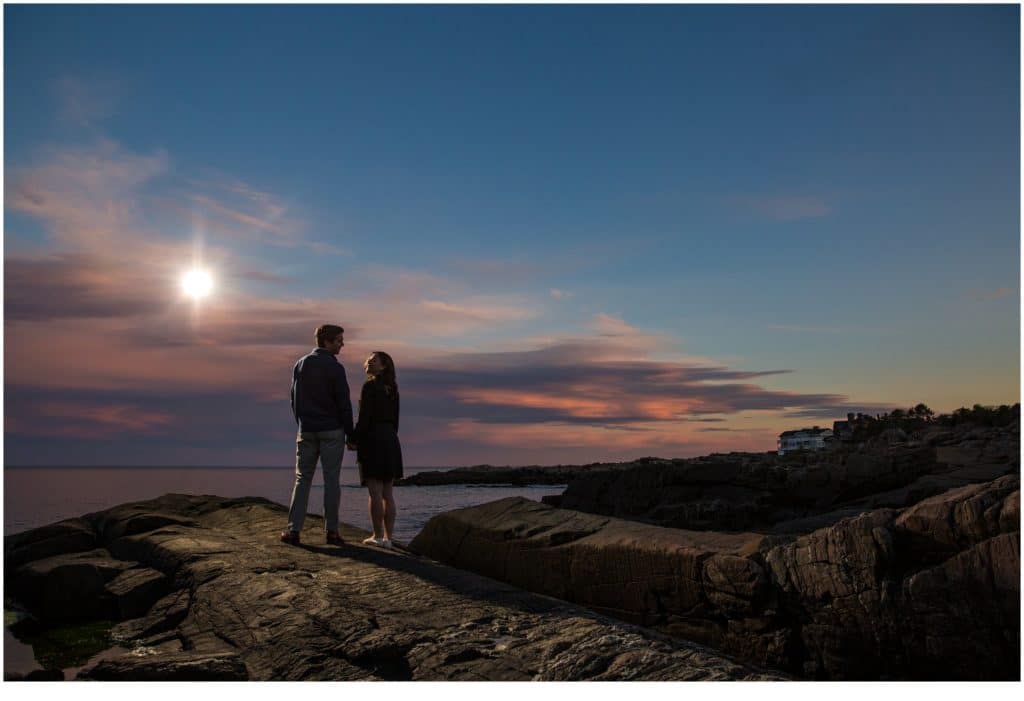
<point>197,283</point>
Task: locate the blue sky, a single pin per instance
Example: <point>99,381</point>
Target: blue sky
<point>827,190</point>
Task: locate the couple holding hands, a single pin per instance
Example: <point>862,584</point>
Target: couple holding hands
<point>323,411</point>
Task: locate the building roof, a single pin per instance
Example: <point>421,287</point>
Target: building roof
<point>805,431</point>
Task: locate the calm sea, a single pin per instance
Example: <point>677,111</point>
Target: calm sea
<point>36,496</point>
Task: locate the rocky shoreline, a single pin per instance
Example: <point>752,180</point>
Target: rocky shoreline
<point>929,592</point>
<point>204,590</point>
<point>799,493</point>
<point>881,560</point>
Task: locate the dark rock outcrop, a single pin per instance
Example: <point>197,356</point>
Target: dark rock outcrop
<point>70,536</point>
<point>224,599</point>
<point>929,592</point>
<point>795,494</point>
<point>68,587</point>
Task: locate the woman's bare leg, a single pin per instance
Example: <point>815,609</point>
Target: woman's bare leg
<point>376,507</point>
<point>390,509</point>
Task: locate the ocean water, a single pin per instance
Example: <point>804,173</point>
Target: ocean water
<point>35,496</point>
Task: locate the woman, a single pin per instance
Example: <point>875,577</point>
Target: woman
<point>378,451</point>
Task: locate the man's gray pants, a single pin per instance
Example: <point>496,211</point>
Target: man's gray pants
<point>328,447</point>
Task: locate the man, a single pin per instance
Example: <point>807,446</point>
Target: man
<point>323,411</point>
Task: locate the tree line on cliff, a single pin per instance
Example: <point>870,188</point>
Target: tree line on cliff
<point>920,417</point>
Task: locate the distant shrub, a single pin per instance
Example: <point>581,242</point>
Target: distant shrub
<point>921,416</point>
<point>1002,415</point>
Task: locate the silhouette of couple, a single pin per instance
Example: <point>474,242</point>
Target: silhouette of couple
<point>323,411</point>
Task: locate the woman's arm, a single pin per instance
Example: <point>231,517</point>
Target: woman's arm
<point>365,413</point>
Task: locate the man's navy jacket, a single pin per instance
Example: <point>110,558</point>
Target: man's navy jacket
<point>320,399</point>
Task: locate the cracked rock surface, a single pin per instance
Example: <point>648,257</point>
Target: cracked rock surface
<point>204,591</point>
<point>927,592</point>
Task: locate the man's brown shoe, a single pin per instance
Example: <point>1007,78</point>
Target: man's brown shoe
<point>334,538</point>
<point>290,537</point>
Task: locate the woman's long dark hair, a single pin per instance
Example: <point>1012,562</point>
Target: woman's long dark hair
<point>387,375</point>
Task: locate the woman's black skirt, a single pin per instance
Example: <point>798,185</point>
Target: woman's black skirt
<point>380,454</point>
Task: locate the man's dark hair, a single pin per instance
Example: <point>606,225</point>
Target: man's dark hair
<point>327,332</point>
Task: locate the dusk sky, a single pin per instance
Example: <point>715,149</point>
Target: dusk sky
<point>583,232</point>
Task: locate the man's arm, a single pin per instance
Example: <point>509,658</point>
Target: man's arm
<point>344,404</point>
<point>295,381</point>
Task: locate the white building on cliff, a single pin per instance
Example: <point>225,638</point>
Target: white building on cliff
<point>803,439</point>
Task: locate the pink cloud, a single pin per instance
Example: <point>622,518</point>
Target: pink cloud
<point>85,196</point>
<point>521,443</point>
<point>579,406</point>
<point>99,199</point>
<point>999,293</point>
<point>88,420</point>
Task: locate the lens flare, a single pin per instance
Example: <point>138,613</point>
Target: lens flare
<point>197,284</point>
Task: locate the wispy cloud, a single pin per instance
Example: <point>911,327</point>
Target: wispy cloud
<point>263,221</point>
<point>86,196</point>
<point>78,286</point>
<point>237,211</point>
<point>479,310</point>
<point>613,327</point>
<point>85,103</point>
<point>782,207</point>
<point>104,199</point>
<point>992,295</point>
<point>488,271</point>
<point>804,328</point>
<point>86,419</point>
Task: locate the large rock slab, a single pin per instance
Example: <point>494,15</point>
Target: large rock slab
<point>235,603</point>
<point>225,666</point>
<point>885,594</point>
<point>700,585</point>
<point>70,536</point>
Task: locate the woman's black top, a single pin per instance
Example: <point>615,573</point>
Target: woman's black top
<point>377,448</point>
